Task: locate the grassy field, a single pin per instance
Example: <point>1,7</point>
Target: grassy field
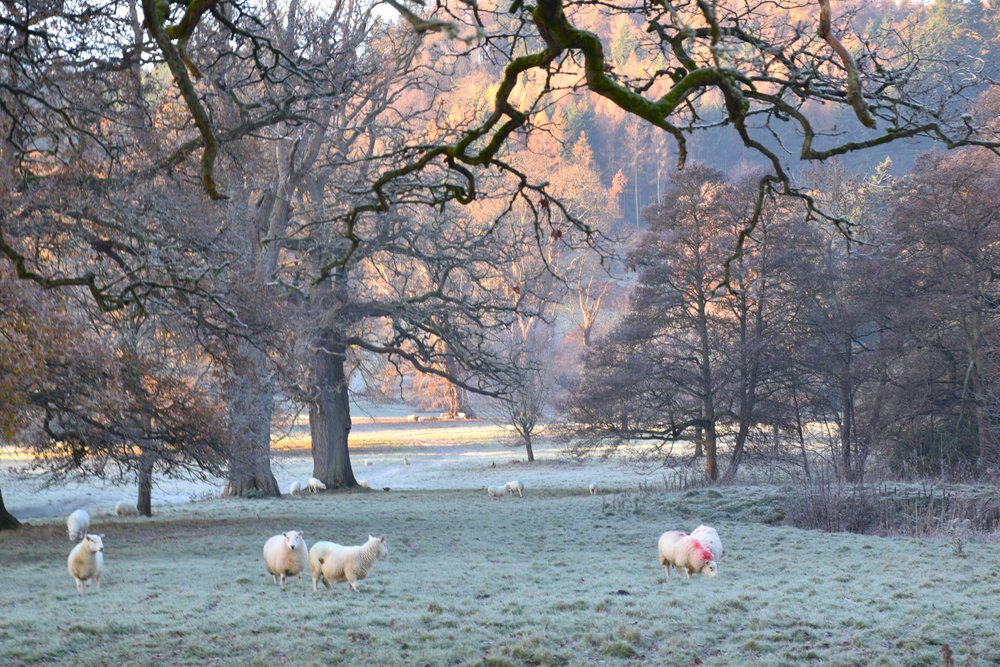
<point>555,578</point>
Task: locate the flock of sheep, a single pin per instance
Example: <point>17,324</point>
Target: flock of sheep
<point>287,555</point>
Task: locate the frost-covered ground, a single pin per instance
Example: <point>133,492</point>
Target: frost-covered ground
<point>556,578</point>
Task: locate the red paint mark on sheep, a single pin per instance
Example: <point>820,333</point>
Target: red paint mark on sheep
<point>698,549</point>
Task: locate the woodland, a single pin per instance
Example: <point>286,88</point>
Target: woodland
<point>717,222</point>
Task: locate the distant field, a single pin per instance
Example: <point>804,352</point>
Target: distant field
<point>556,578</point>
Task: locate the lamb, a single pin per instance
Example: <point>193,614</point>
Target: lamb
<point>295,489</point>
<point>86,561</point>
<point>685,554</point>
<point>77,525</point>
<point>592,487</point>
<point>496,492</point>
<point>123,508</point>
<point>516,486</point>
<point>709,538</point>
<point>315,485</point>
<point>330,562</point>
<point>286,555</point>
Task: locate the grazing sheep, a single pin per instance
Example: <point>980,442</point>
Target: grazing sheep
<point>315,485</point>
<point>86,561</point>
<point>330,562</point>
<point>496,492</point>
<point>368,462</point>
<point>286,555</point>
<point>685,554</point>
<point>516,486</point>
<point>77,525</point>
<point>295,489</point>
<point>709,538</point>
<point>362,483</point>
<point>592,487</point>
<point>123,508</point>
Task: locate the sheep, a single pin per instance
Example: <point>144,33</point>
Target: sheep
<point>363,484</point>
<point>515,486</point>
<point>496,492</point>
<point>286,555</point>
<point>330,562</point>
<point>77,525</point>
<point>295,489</point>
<point>685,554</point>
<point>709,538</point>
<point>86,561</point>
<point>368,462</point>
<point>123,508</point>
<point>315,485</point>
<point>406,461</point>
<point>592,487</point>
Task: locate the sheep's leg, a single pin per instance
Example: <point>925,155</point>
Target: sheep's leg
<point>97,578</point>
<point>79,585</point>
<point>315,583</point>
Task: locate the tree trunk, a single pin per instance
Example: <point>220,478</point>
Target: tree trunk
<point>145,501</point>
<point>846,428</point>
<point>7,520</point>
<point>711,454</point>
<point>527,446</point>
<point>251,404</point>
<point>330,416</point>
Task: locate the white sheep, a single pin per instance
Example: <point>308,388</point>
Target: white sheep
<point>709,538</point>
<point>286,555</point>
<point>124,508</point>
<point>368,463</point>
<point>496,492</point>
<point>592,487</point>
<point>515,486</point>
<point>330,562</point>
<point>86,561</point>
<point>315,485</point>
<point>295,489</point>
<point>77,525</point>
<point>363,484</point>
<point>685,554</point>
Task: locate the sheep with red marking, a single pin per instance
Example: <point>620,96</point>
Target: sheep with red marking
<point>86,561</point>
<point>709,538</point>
<point>685,554</point>
<point>286,555</point>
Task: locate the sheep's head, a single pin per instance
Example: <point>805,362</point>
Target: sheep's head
<point>94,543</point>
<point>294,539</point>
<point>383,548</point>
<point>710,569</point>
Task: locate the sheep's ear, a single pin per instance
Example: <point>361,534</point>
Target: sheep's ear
<point>382,539</point>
